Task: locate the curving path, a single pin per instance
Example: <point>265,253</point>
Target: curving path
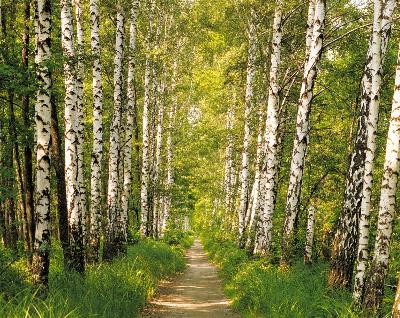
<point>197,292</point>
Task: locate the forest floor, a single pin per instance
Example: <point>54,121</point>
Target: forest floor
<point>197,292</point>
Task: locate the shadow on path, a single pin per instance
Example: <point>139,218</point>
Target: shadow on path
<point>196,293</point>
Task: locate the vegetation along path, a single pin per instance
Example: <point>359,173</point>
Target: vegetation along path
<point>196,293</point>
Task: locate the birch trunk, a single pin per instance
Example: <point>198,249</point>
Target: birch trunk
<point>382,18</point>
<point>302,131</point>
<point>41,260</point>
<point>113,241</point>
<point>170,153</point>
<point>310,235</point>
<point>345,242</point>
<point>244,182</point>
<point>130,116</point>
<point>270,170</point>
<point>229,162</point>
<point>254,203</point>
<point>97,150</point>
<point>374,286</point>
<point>80,111</point>
<point>76,251</point>
<point>157,165</point>
<point>144,192</point>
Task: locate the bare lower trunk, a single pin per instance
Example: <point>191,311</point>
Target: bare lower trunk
<point>244,182</point>
<point>310,235</point>
<point>114,232</point>
<point>381,30</point>
<point>145,177</point>
<point>76,249</point>
<point>344,251</point>
<point>374,285</point>
<point>97,150</point>
<point>41,260</point>
<point>302,132</point>
<point>269,174</point>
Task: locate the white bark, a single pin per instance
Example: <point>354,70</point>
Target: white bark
<point>97,151</point>
<point>40,262</point>
<point>387,209</point>
<point>79,110</point>
<point>71,140</point>
<point>309,235</point>
<point>130,114</point>
<point>144,192</point>
<point>229,162</point>
<point>270,170</point>
<point>157,164</point>
<point>302,129</point>
<point>244,182</point>
<point>114,230</point>
<point>377,51</point>
<point>170,152</point>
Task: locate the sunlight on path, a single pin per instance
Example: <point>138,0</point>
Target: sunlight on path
<point>196,293</point>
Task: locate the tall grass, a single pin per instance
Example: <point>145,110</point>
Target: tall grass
<point>117,289</point>
<point>259,288</point>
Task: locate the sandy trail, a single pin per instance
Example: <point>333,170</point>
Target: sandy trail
<point>197,292</point>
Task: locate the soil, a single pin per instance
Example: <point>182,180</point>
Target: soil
<point>197,292</point>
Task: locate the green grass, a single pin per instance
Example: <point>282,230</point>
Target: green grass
<point>258,288</point>
<point>117,289</point>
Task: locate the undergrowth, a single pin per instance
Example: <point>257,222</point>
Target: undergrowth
<point>116,289</point>
<point>259,288</point>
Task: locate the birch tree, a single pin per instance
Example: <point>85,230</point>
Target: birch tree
<point>380,37</point>
<point>97,149</point>
<point>309,235</point>
<point>41,261</point>
<point>130,114</point>
<point>302,130</point>
<point>251,68</point>
<point>170,152</point>
<point>270,169</point>
<point>229,161</point>
<point>76,251</point>
<point>80,111</point>
<point>374,286</point>
<point>345,241</point>
<point>144,192</point>
<point>114,231</point>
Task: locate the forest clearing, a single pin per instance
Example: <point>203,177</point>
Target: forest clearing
<point>199,158</point>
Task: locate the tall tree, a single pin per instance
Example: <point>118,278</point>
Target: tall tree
<point>41,260</point>
<point>97,150</point>
<point>251,69</point>
<point>114,231</point>
<point>374,286</point>
<point>381,30</point>
<point>302,131</point>
<point>76,250</point>
<point>80,71</point>
<point>145,178</point>
<point>270,170</point>
<point>346,236</point>
<point>130,117</point>
<point>170,152</point>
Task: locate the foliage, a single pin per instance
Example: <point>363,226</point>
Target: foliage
<point>259,288</point>
<point>118,289</point>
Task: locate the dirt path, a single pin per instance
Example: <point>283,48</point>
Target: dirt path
<point>197,292</point>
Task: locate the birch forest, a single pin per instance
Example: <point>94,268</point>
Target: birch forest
<point>199,158</point>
